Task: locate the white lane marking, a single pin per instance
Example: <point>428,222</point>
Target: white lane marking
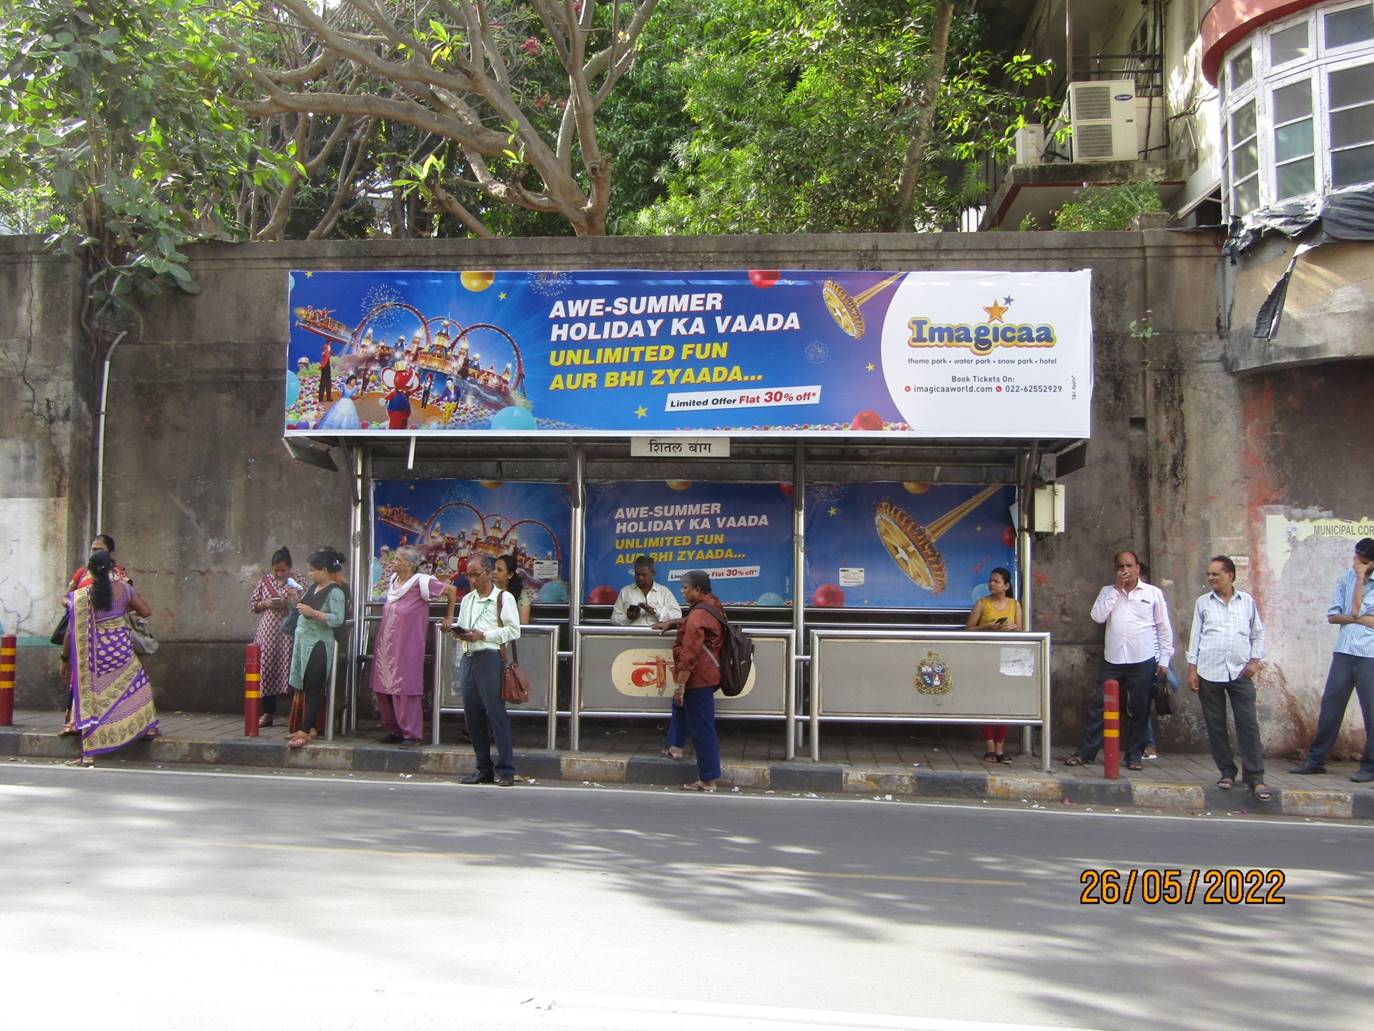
<point>316,777</point>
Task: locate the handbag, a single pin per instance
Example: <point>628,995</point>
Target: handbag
<point>59,635</point>
<point>288,623</point>
<point>515,683</point>
<point>141,638</point>
<point>1162,696</point>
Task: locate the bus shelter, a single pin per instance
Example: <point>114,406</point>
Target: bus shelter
<point>847,454</point>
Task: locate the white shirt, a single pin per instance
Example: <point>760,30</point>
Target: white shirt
<point>1137,624</point>
<point>1225,636</point>
<point>478,613</point>
<point>660,599</point>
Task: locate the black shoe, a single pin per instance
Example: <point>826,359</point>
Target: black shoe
<point>390,739</point>
<point>505,781</point>
<point>1307,769</point>
<point>477,778</point>
<point>408,742</point>
<point>1363,777</point>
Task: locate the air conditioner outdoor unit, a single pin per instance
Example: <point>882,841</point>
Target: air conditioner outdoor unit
<point>1030,145</point>
<point>1102,117</point>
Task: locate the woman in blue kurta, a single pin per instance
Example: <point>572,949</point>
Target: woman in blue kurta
<point>312,650</point>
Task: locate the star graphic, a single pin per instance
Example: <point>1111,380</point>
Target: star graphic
<point>502,296</point>
<point>310,275</point>
<point>641,412</point>
<point>1007,301</point>
<point>869,366</point>
<point>832,510</point>
<point>995,311</point>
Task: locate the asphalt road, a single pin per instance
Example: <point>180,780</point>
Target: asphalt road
<point>165,899</point>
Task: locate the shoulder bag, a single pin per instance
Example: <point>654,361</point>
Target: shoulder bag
<point>141,638</point>
<point>515,683</point>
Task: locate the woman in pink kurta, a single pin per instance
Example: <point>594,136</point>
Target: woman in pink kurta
<point>398,654</point>
<point>274,647</point>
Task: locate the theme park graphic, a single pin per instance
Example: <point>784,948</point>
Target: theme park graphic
<point>452,521</point>
<point>739,533</point>
<point>759,352</point>
<point>906,545</point>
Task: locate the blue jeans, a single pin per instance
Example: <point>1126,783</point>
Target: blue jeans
<point>1348,673</point>
<point>479,680</point>
<point>677,728</point>
<point>1136,680</point>
<point>699,714</point>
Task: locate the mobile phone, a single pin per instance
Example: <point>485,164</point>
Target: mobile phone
<point>291,582</point>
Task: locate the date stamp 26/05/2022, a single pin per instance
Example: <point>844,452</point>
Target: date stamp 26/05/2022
<point>1213,886</point>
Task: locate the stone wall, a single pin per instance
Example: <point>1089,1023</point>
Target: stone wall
<point>201,489</point>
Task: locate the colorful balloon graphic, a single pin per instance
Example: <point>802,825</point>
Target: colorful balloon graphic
<point>602,595</point>
<point>513,418</point>
<point>828,596</point>
<point>867,421</point>
<point>764,277</point>
<point>293,389</point>
<point>477,281</point>
<point>771,600</point>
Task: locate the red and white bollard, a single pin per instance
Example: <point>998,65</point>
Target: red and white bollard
<point>1111,729</point>
<point>252,690</point>
<point>8,651</point>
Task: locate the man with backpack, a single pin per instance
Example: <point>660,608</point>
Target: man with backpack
<point>696,668</point>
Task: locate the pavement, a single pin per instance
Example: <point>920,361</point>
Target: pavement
<point>856,760</point>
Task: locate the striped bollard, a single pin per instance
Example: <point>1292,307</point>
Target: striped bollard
<point>252,690</point>
<point>8,651</point>
<point>1111,729</point>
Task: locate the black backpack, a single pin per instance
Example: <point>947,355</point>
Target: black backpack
<point>736,656</point>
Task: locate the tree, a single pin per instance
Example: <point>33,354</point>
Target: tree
<point>824,115</point>
<point>507,93</point>
<point>123,141</point>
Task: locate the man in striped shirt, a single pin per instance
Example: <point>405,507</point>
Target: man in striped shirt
<point>1224,650</point>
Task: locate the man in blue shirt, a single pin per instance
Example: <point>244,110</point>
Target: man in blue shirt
<point>1352,665</point>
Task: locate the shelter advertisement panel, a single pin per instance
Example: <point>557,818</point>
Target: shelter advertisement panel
<point>906,545</point>
<point>739,533</point>
<point>927,355</point>
<point>450,521</point>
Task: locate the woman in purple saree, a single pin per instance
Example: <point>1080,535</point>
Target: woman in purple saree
<point>112,702</point>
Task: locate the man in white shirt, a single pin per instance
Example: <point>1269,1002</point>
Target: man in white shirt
<point>1139,644</point>
<point>1225,646</point>
<point>644,603</point>
<point>487,619</point>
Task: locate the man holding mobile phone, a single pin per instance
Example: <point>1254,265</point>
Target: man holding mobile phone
<point>487,619</point>
<point>644,603</point>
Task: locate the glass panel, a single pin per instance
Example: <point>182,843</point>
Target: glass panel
<point>1245,159</point>
<point>1352,126</point>
<point>1245,197</point>
<point>1295,179</point>
<point>1243,122</point>
<point>1352,26</point>
<point>1352,166</point>
<point>1293,101</point>
<point>1289,44</point>
<point>1293,140</point>
<point>1351,86</point>
<point>1242,68</point>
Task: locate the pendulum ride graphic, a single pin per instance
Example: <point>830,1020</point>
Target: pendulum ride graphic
<point>845,309</point>
<point>912,546</point>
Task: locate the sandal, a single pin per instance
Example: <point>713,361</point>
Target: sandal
<point>300,739</point>
<point>1226,783</point>
<point>266,720</point>
<point>1262,793</point>
<point>1134,766</point>
<point>989,757</point>
<point>1074,760</point>
<point>1004,759</point>
<point>672,753</point>
<point>697,785</point>
<point>69,731</point>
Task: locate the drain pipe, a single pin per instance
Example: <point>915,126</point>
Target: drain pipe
<point>100,437</point>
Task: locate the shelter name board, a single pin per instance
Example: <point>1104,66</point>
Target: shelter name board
<point>650,353</point>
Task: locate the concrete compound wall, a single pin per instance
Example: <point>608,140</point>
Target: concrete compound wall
<point>201,490</point>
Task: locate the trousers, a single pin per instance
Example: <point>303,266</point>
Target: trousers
<point>1213,695</point>
<point>479,680</point>
<point>1348,673</point>
<point>1136,680</point>
<point>699,715</point>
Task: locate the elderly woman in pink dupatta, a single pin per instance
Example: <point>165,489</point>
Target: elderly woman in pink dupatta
<point>112,701</point>
<point>398,656</point>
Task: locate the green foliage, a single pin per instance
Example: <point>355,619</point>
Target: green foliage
<point>1108,208</point>
<point>802,111</point>
<point>122,140</point>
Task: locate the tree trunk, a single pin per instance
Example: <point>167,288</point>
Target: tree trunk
<point>899,217</point>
